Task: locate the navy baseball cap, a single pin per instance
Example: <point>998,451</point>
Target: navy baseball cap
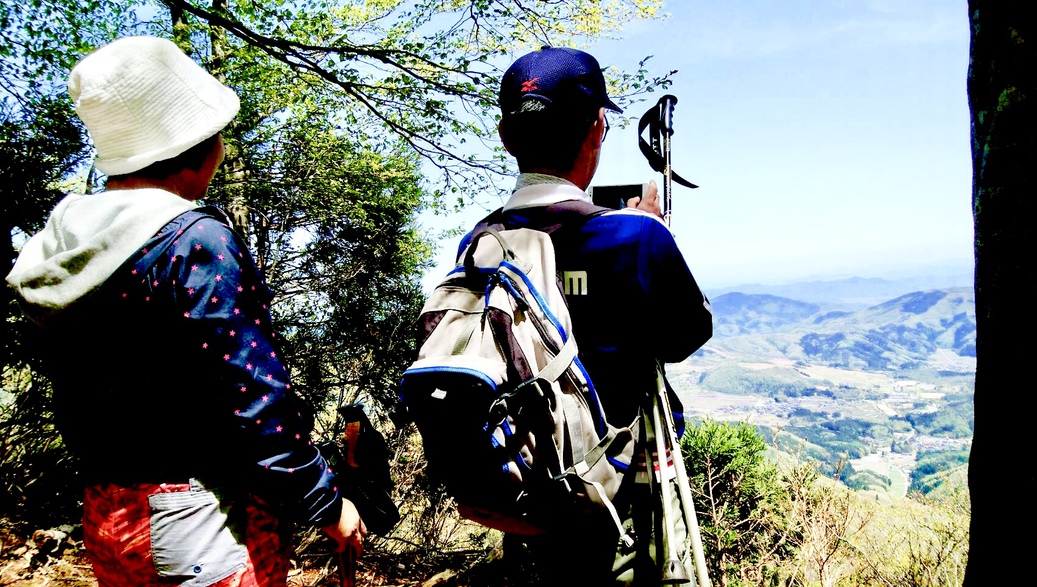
<point>566,80</point>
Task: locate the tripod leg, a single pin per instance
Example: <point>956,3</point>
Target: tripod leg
<point>684,486</point>
<point>673,570</point>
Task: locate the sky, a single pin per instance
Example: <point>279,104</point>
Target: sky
<point>829,139</point>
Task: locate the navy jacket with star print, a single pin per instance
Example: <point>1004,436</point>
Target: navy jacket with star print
<point>170,370</point>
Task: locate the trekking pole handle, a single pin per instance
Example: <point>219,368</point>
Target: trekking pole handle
<point>666,104</point>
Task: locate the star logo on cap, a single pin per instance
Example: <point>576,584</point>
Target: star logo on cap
<point>530,85</point>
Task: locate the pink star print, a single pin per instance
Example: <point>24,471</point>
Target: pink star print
<point>190,291</point>
<point>243,388</point>
<point>273,354</point>
<point>123,295</point>
<point>144,250</point>
<point>248,365</point>
<point>219,278</point>
<point>134,272</point>
<point>194,268</point>
<point>232,333</point>
<point>241,289</point>
<point>254,344</point>
<point>257,320</point>
<point>200,227</point>
<point>223,238</point>
<point>205,345</point>
<point>237,311</point>
<point>214,299</point>
<point>198,247</point>
<point>296,436</point>
<point>155,283</point>
<point>269,377</point>
<point>220,257</point>
<point>226,357</point>
<point>187,314</point>
<point>279,429</point>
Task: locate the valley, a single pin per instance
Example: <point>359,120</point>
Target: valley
<point>866,392</point>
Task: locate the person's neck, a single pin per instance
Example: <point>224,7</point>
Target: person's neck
<point>570,176</point>
<point>169,184</point>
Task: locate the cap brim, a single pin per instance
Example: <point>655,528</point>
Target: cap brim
<point>612,106</point>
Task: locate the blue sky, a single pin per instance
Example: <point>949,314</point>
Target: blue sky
<point>830,139</point>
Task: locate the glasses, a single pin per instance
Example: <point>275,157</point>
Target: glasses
<point>606,133</point>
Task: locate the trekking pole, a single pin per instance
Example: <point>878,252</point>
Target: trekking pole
<point>665,106</point>
<point>660,120</point>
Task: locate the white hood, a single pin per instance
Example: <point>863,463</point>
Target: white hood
<point>85,240</point>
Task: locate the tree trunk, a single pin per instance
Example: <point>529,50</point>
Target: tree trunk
<point>234,172</point>
<point>1002,83</point>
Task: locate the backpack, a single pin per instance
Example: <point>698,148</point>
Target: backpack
<point>509,419</point>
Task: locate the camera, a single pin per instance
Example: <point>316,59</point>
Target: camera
<point>616,196</point>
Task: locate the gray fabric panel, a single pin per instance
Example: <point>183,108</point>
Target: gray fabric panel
<point>190,539</point>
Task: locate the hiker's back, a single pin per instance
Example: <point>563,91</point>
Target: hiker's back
<point>509,419</point>
<point>630,294</point>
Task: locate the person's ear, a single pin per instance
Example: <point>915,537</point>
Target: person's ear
<point>500,133</point>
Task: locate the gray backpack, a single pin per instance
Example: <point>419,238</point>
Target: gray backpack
<point>509,419</point>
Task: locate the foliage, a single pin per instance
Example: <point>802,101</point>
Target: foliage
<point>912,543</point>
<point>864,480</point>
<point>420,71</point>
<point>955,421</point>
<point>336,239</point>
<point>933,466</point>
<point>737,495</point>
<point>846,438</point>
<point>777,383</point>
<point>39,143</point>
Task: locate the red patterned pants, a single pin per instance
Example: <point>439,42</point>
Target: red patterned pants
<point>134,537</point>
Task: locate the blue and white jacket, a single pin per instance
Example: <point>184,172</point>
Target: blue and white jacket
<point>632,299</point>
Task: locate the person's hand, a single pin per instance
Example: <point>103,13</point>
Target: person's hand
<point>649,202</point>
<point>350,530</point>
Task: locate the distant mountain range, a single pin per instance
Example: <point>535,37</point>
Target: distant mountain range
<point>895,334</point>
<point>852,293</point>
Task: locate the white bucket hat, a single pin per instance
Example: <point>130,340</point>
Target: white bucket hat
<point>144,101</point>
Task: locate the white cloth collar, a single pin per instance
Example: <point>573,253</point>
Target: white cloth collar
<point>537,189</point>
